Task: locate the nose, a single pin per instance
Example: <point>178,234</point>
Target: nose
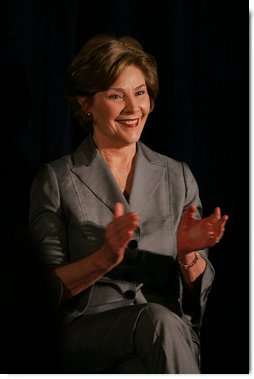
<point>131,105</point>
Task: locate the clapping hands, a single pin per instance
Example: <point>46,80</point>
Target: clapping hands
<point>119,231</point>
<point>192,234</point>
<point>196,234</point>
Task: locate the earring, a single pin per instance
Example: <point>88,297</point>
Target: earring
<point>89,115</point>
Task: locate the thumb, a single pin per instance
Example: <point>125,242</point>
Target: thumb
<point>118,210</point>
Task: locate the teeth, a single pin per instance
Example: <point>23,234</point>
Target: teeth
<point>128,122</point>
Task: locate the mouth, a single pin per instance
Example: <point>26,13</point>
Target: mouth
<point>129,123</point>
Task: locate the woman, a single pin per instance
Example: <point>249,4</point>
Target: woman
<point>120,226</point>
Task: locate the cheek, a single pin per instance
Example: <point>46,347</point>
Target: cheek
<point>110,112</point>
<point>146,106</point>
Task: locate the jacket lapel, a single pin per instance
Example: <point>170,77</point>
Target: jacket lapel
<point>93,171</point>
<point>147,176</point>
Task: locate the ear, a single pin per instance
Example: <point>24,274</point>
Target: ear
<point>83,102</point>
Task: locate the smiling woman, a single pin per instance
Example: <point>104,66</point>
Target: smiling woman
<point>98,65</point>
<point>119,227</point>
<point>119,112</point>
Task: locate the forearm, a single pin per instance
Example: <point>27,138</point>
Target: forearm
<point>192,266</point>
<point>78,276</point>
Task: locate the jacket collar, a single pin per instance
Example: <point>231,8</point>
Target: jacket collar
<point>91,168</point>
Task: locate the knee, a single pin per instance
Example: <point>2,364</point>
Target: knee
<point>158,312</point>
<point>161,319</point>
<point>163,340</point>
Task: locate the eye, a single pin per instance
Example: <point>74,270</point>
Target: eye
<point>116,97</point>
<point>139,93</point>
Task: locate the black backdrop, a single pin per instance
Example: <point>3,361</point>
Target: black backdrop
<point>201,116</point>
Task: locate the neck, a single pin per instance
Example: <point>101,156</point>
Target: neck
<point>117,155</point>
<point>121,162</point>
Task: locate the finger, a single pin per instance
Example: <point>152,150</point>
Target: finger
<point>214,217</point>
<point>220,225</point>
<point>190,211</point>
<point>124,239</point>
<point>217,213</point>
<point>128,221</point>
<point>224,219</point>
<point>216,234</point>
<point>119,233</point>
<point>219,232</point>
<point>118,210</point>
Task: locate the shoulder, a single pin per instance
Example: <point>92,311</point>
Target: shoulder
<point>179,171</point>
<point>157,158</point>
<point>60,164</point>
<point>60,170</point>
<point>50,174</point>
<point>53,169</point>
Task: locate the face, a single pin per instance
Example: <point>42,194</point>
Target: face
<point>120,113</point>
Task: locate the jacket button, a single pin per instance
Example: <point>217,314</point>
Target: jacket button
<point>133,244</point>
<point>129,295</point>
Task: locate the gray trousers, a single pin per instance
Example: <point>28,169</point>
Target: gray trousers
<point>106,342</point>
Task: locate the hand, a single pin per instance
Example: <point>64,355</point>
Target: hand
<point>196,234</point>
<point>119,231</point>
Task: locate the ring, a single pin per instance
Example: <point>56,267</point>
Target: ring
<point>211,235</point>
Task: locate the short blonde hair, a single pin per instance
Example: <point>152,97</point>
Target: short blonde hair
<point>98,64</point>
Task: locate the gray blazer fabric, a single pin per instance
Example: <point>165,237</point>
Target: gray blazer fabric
<point>72,200</point>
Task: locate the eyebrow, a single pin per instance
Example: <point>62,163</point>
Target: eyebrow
<point>122,89</point>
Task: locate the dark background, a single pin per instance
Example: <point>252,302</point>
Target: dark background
<point>201,116</point>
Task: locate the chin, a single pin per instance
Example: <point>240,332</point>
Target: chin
<point>133,139</point>
<point>134,136</point>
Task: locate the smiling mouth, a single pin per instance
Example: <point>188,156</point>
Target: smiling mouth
<point>129,123</point>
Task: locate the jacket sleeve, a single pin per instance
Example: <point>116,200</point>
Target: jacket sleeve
<point>47,225</point>
<point>193,306</point>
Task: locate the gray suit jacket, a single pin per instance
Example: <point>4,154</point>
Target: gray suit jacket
<point>72,200</point>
